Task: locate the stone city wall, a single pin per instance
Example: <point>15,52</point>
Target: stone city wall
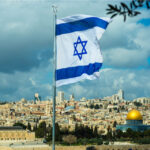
<point>103,147</point>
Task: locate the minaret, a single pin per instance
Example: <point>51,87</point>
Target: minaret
<point>121,94</point>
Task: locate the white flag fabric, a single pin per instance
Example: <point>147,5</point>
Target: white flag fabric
<point>78,51</point>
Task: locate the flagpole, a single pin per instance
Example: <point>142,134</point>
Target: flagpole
<point>54,78</point>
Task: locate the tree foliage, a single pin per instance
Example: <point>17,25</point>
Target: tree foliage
<point>57,132</point>
<point>41,130</point>
<point>135,136</point>
<point>70,139</point>
<point>115,123</point>
<point>82,131</point>
<point>138,104</point>
<point>84,135</point>
<point>125,10</point>
<point>49,133</point>
<point>20,124</point>
<point>29,126</point>
<point>94,106</point>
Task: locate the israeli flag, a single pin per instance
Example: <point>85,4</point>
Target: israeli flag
<point>78,52</point>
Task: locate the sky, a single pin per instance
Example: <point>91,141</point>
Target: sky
<point>26,51</point>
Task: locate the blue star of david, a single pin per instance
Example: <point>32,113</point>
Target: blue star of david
<point>83,44</point>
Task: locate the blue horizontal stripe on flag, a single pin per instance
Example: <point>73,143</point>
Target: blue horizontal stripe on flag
<point>73,72</point>
<point>80,25</point>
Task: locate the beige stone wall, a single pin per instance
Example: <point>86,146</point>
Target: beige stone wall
<point>103,147</point>
<point>5,148</point>
<point>16,135</point>
<point>35,148</point>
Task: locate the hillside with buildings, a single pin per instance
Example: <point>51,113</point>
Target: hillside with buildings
<point>100,113</point>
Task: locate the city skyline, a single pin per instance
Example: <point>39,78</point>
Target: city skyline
<point>61,96</point>
<point>26,51</point>
<point>103,114</point>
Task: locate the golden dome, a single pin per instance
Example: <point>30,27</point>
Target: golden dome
<point>134,115</point>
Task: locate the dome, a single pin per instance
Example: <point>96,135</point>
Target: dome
<point>134,115</point>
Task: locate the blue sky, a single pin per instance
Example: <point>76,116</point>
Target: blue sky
<point>26,51</point>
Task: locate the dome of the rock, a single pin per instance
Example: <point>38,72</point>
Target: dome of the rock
<point>134,115</point>
<point>134,121</point>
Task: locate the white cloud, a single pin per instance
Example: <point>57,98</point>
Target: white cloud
<point>135,83</point>
<point>124,58</point>
<point>131,76</point>
<point>26,51</point>
<point>32,81</point>
<point>78,90</point>
<point>126,44</point>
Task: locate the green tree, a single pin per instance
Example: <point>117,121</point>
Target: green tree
<point>115,123</point>
<point>70,139</point>
<point>35,128</point>
<point>96,106</point>
<point>92,106</point>
<point>57,132</point>
<point>41,130</point>
<point>82,131</point>
<point>29,126</point>
<point>130,133</point>
<point>88,132</point>
<point>49,133</point>
<point>119,134</point>
<point>79,131</point>
<point>109,135</point>
<point>125,9</point>
<point>100,142</point>
<point>20,124</point>
<point>64,131</point>
<point>138,104</point>
<point>147,133</point>
<point>95,132</point>
<point>74,117</point>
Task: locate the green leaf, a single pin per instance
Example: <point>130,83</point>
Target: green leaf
<point>110,12</point>
<point>125,6</point>
<point>134,4</point>
<point>124,17</point>
<point>131,5</point>
<point>136,13</point>
<point>113,15</point>
<point>148,4</point>
<point>108,9</point>
<point>111,6</point>
<point>120,8</point>
<point>140,2</point>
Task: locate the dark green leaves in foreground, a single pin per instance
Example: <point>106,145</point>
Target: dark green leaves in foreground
<point>127,9</point>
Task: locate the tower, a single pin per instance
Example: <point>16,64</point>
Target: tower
<point>37,98</point>
<point>60,97</point>
<point>121,94</point>
<point>72,97</point>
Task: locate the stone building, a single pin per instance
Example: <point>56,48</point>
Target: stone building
<point>134,121</point>
<point>60,97</point>
<point>15,133</point>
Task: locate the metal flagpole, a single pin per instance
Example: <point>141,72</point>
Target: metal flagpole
<point>54,81</point>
